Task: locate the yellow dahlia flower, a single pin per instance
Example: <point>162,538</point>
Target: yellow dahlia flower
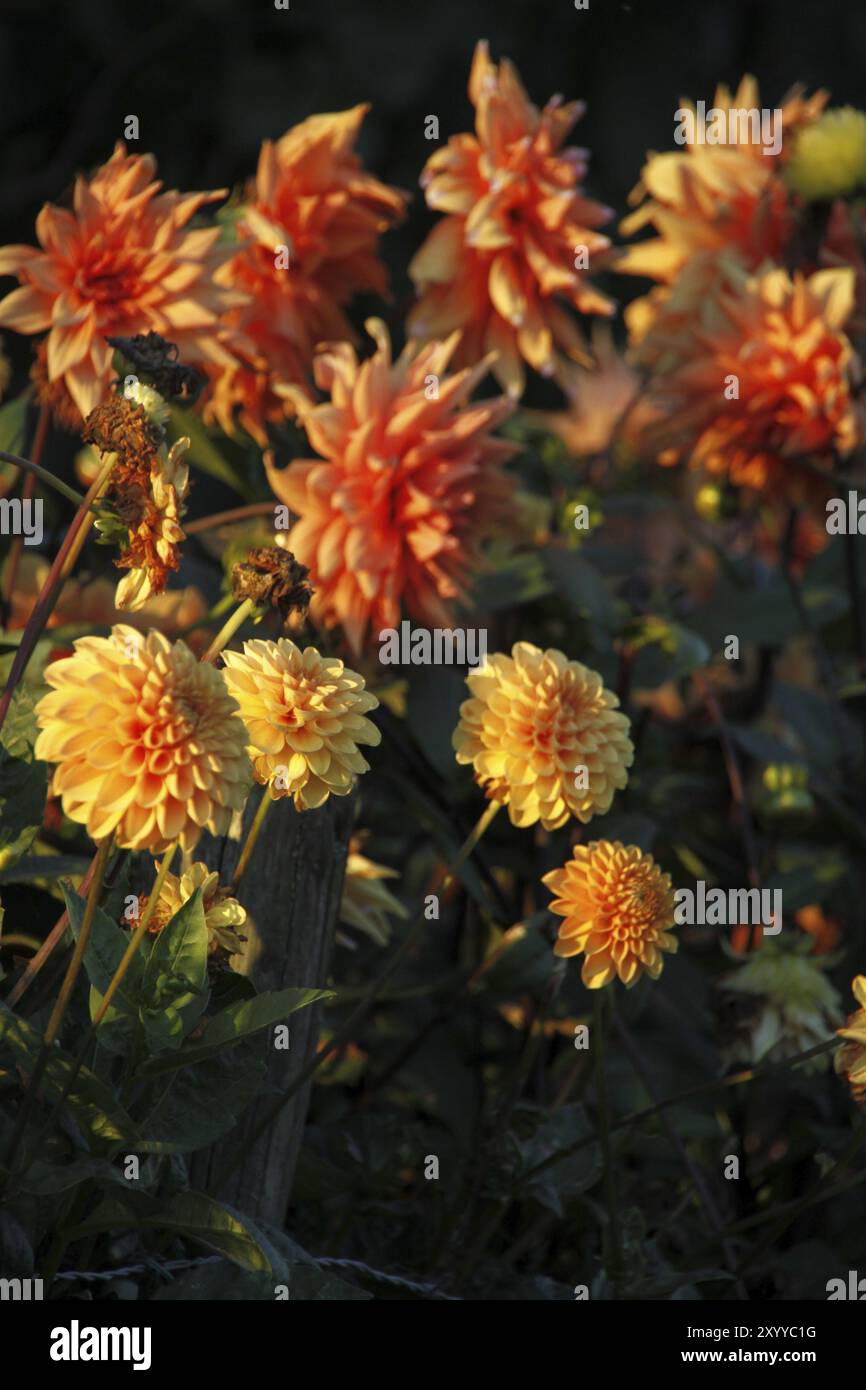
<point>850,1060</point>
<point>222,913</point>
<point>146,741</point>
<point>304,715</point>
<point>618,908</point>
<point>829,157</point>
<point>544,737</point>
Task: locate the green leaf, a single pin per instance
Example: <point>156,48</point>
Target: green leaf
<point>581,584</point>
<point>174,987</point>
<point>521,579</point>
<point>204,1101</point>
<point>121,1026</point>
<point>23,780</point>
<point>93,1105</point>
<point>189,1214</point>
<point>573,1173</point>
<point>239,1020</point>
<point>13,428</point>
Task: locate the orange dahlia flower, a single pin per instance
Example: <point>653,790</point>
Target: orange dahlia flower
<point>508,253</point>
<point>710,198</point>
<point>850,1060</point>
<point>305,716</point>
<point>120,262</point>
<point>618,908</point>
<point>411,481</point>
<point>146,741</point>
<point>309,231</point>
<point>544,737</point>
<point>90,602</point>
<point>755,375</point>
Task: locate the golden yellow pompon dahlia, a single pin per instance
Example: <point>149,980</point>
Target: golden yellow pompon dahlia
<point>223,914</point>
<point>510,258</point>
<point>544,737</point>
<point>304,715</point>
<point>146,741</point>
<point>618,908</point>
<point>850,1060</point>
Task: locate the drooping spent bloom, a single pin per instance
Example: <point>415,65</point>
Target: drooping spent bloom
<point>146,492</point>
<point>120,261</point>
<point>305,716</point>
<point>707,198</point>
<point>223,914</point>
<point>366,903</point>
<point>544,737</point>
<point>850,1060</point>
<point>792,1006</point>
<point>619,910</point>
<point>145,740</point>
<point>410,483</point>
<point>308,238</point>
<point>754,375</point>
<point>518,235</point>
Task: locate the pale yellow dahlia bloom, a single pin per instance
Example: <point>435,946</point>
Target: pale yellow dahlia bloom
<point>618,908</point>
<point>223,914</point>
<point>795,1007</point>
<point>544,737</point>
<point>850,1060</point>
<point>366,902</point>
<point>304,715</point>
<point>145,739</point>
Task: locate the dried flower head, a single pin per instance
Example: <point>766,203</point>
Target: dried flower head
<point>619,910</point>
<point>850,1060</point>
<point>146,741</point>
<point>305,716</point>
<point>506,258</point>
<point>272,577</point>
<point>544,737</point>
<point>155,360</point>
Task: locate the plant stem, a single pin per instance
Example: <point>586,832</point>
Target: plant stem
<point>114,984</point>
<point>44,606</point>
<point>613,1244</point>
<point>27,491</point>
<point>44,475</point>
<point>61,1004</point>
<point>359,1013</point>
<point>204,523</point>
<point>252,836</point>
<point>228,629</point>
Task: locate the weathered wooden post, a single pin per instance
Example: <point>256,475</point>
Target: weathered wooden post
<point>291,889</point>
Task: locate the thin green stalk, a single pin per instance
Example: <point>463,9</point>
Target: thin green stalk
<point>61,1004</point>
<point>228,629</point>
<point>613,1239</point>
<point>252,836</point>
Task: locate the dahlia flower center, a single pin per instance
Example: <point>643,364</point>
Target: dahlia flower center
<point>103,280</point>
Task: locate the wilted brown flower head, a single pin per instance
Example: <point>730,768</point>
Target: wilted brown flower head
<point>154,359</point>
<point>274,578</point>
